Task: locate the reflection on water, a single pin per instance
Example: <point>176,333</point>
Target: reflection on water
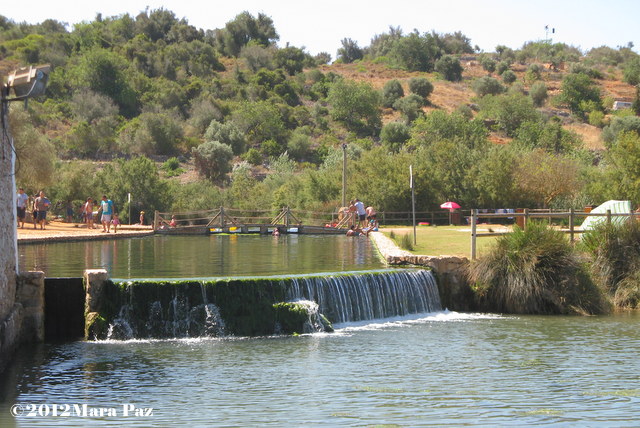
<point>438,369</point>
<point>201,256</point>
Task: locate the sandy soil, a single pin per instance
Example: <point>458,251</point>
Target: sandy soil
<point>59,231</point>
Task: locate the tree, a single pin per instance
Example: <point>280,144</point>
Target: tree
<point>138,176</point>
<point>545,176</point>
<point>291,59</point>
<point>538,93</point>
<point>350,51</point>
<point>449,67</point>
<point>509,111</point>
<point>632,71</point>
<point>487,86</point>
<point>619,125</point>
<point>213,159</point>
<point>152,133</point>
<point>394,135</point>
<point>357,105</point>
<point>242,30</point>
<point>259,121</point>
<point>579,92</point>
<point>415,53</point>
<point>624,172</point>
<point>488,64</point>
<point>440,126</point>
<point>421,86</point>
<point>410,107</point>
<point>227,133</point>
<point>391,92</point>
<point>508,77</point>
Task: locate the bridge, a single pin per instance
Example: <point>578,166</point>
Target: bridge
<point>229,220</point>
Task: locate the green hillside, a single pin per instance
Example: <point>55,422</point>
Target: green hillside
<point>185,118</point>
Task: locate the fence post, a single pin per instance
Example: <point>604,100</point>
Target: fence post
<point>156,219</point>
<point>221,217</point>
<point>286,217</point>
<point>526,218</point>
<point>571,225</point>
<point>474,220</point>
<point>608,217</point>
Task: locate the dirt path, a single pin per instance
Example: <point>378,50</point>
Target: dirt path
<point>59,231</point>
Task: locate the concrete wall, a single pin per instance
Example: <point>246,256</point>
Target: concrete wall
<point>450,272</point>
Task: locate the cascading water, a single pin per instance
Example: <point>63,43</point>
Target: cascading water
<point>369,296</point>
<point>248,306</point>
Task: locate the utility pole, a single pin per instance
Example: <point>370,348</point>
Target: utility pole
<point>344,175</point>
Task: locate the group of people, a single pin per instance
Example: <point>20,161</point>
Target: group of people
<point>41,204</point>
<point>364,219</point>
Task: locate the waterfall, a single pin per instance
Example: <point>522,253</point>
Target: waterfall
<point>251,306</point>
<point>343,298</point>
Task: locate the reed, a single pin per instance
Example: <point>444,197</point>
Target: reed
<point>615,252</point>
<point>534,271</point>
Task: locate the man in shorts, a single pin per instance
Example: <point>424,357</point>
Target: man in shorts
<point>21,204</point>
<point>106,205</point>
<point>362,213</point>
<point>42,206</point>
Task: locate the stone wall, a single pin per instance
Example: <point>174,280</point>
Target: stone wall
<point>450,272</point>
<point>10,313</point>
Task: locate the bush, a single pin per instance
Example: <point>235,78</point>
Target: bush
<point>410,107</point>
<point>508,77</point>
<point>502,67</point>
<point>420,86</point>
<point>394,135</point>
<point>534,271</point>
<point>632,71</point>
<point>487,86</point>
<point>577,91</point>
<point>534,72</point>
<point>227,133</point>
<point>253,156</point>
<point>615,250</point>
<point>488,64</point>
<point>538,93</point>
<point>213,159</point>
<point>391,92</point>
<point>449,67</point>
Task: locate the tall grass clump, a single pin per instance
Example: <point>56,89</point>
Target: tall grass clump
<point>534,271</point>
<point>615,250</point>
<point>406,243</point>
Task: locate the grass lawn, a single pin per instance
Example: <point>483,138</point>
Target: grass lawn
<point>446,240</point>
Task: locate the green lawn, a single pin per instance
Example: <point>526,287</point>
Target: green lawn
<point>446,240</point>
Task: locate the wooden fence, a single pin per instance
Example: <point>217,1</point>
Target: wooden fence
<point>522,217</point>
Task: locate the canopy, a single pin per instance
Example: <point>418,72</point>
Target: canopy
<point>616,207</point>
<point>450,205</point>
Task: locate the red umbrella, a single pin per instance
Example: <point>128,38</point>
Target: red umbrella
<point>450,205</point>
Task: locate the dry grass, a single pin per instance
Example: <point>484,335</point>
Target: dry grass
<point>591,135</point>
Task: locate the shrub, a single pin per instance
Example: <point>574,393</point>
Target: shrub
<point>534,72</point>
<point>253,156</point>
<point>538,93</point>
<point>508,77</point>
<point>213,159</point>
<point>534,271</point>
<point>502,67</point>
<point>487,86</point>
<point>394,135</point>
<point>488,64</point>
<point>578,89</point>
<point>420,86</point>
<point>632,71</point>
<point>410,107</point>
<point>449,67</point>
<point>391,92</point>
<point>615,251</point>
<point>227,133</point>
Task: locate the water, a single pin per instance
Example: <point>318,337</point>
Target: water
<point>439,369</point>
<point>202,256</point>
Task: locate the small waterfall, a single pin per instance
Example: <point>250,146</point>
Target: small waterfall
<point>358,297</point>
<point>251,306</point>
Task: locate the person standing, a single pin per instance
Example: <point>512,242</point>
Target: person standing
<point>87,213</point>
<point>21,203</point>
<point>362,213</point>
<point>42,205</point>
<point>106,205</point>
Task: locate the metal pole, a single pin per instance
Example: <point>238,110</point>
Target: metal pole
<point>413,204</point>
<point>344,175</point>
<point>474,221</point>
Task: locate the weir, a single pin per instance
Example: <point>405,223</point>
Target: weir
<point>251,306</point>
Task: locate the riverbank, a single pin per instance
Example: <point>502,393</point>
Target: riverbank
<point>57,231</point>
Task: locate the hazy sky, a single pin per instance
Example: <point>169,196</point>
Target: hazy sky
<point>320,25</point>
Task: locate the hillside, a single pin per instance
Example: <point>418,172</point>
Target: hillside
<point>184,118</point>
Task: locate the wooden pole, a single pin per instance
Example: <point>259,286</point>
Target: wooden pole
<point>413,203</point>
<point>571,214</point>
<point>608,217</point>
<point>474,221</point>
<point>344,175</point>
<point>526,218</point>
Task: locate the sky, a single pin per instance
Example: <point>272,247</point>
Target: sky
<point>320,25</point>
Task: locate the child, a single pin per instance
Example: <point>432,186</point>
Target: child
<point>115,221</point>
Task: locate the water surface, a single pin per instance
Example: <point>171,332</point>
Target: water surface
<point>443,369</point>
<point>202,256</point>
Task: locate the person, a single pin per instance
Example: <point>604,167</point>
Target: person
<point>276,232</point>
<point>34,211</point>
<point>87,213</point>
<point>362,213</point>
<point>141,218</point>
<point>354,231</point>
<point>42,205</point>
<point>115,221</point>
<point>372,226</point>
<point>353,212</point>
<point>69,212</point>
<point>107,211</point>
<point>173,222</point>
<point>21,204</point>
<point>370,212</point>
